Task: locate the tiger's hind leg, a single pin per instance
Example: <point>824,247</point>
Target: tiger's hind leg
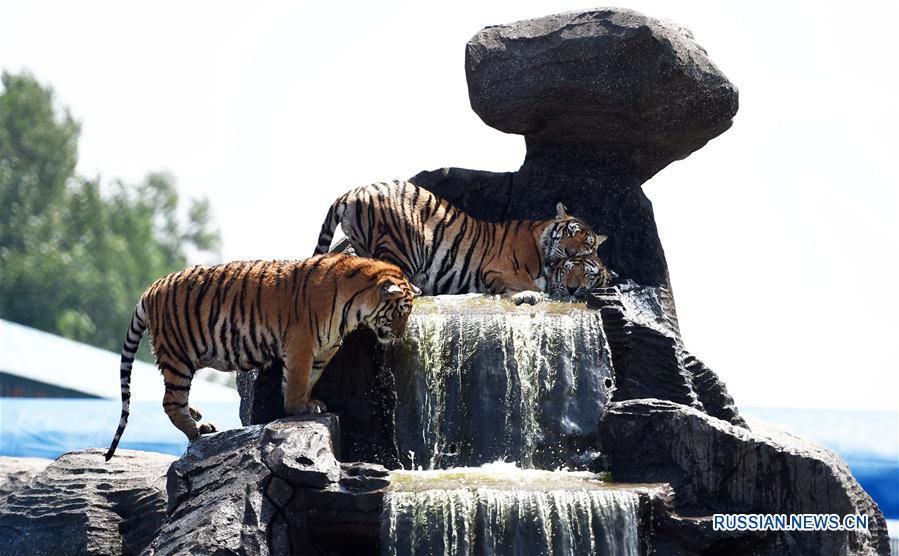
<point>204,428</point>
<point>177,379</point>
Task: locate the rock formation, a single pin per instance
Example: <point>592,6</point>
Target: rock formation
<point>604,99</point>
<point>15,473</point>
<point>80,504</point>
<point>715,467</point>
<point>273,489</point>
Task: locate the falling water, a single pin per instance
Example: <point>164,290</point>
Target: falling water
<point>479,380</point>
<point>500,509</point>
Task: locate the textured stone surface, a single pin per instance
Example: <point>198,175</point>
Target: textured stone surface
<point>354,385</point>
<point>15,473</point>
<point>648,355</point>
<point>715,467</point>
<point>269,489</point>
<point>611,83</point>
<point>80,504</point>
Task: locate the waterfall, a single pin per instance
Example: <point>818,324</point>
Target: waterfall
<point>500,509</point>
<point>479,380</point>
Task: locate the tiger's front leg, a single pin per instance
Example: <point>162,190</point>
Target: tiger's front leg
<point>298,361</point>
<point>520,286</point>
<point>528,296</point>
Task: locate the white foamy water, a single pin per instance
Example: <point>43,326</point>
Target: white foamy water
<point>480,379</point>
<point>499,509</point>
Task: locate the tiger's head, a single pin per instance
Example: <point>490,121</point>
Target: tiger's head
<point>570,237</point>
<point>391,299</point>
<point>576,276</point>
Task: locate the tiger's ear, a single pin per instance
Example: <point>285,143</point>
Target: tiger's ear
<point>561,211</point>
<point>600,239</point>
<point>389,290</point>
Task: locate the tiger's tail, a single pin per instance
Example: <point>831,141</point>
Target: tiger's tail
<point>132,341</point>
<point>335,215</point>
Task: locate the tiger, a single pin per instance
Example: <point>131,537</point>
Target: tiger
<point>574,277</point>
<point>245,315</point>
<point>443,250</point>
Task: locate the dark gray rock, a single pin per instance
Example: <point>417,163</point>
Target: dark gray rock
<point>716,467</point>
<point>610,83</point>
<point>270,489</point>
<point>355,385</point>
<point>649,357</point>
<point>15,473</point>
<point>81,504</point>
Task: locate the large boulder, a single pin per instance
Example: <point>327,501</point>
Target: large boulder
<point>609,83</point>
<point>81,504</point>
<point>272,489</point>
<point>18,472</point>
<point>715,467</point>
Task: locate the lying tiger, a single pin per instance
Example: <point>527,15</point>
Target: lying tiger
<point>445,251</point>
<point>245,315</point>
<point>575,277</point>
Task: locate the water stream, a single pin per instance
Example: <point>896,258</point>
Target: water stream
<point>501,509</point>
<point>479,380</point>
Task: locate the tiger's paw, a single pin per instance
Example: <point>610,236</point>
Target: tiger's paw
<point>308,408</point>
<point>207,428</point>
<point>195,414</point>
<point>529,297</point>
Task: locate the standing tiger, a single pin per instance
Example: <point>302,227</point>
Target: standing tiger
<point>245,315</point>
<point>576,276</point>
<point>445,251</point>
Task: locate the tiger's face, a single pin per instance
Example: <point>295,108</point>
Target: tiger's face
<point>572,238</point>
<point>577,276</point>
<point>393,306</point>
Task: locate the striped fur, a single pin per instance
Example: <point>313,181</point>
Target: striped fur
<point>445,251</point>
<point>246,315</point>
<point>576,276</point>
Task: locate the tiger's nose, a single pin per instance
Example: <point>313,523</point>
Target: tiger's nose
<point>572,290</point>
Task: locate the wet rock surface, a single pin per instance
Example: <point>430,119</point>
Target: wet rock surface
<point>15,473</point>
<point>80,504</point>
<point>270,489</point>
<point>479,380</point>
<point>715,467</point>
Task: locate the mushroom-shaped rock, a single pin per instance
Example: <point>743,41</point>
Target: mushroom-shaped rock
<point>612,83</point>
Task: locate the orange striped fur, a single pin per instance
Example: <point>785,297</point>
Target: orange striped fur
<point>245,315</point>
<point>445,251</point>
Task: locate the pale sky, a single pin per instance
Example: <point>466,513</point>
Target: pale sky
<point>781,234</point>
